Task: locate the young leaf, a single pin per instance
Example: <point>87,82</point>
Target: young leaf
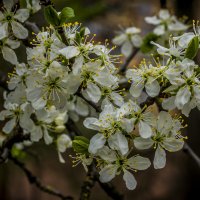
<point>65,14</point>
<point>80,144</point>
<point>192,48</point>
<point>51,16</point>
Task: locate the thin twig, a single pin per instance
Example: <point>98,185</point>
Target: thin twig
<point>128,60</point>
<point>89,183</point>
<point>187,149</point>
<point>36,181</point>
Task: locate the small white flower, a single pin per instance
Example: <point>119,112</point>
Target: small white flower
<point>128,39</point>
<point>117,164</point>
<point>166,136</point>
<point>13,20</point>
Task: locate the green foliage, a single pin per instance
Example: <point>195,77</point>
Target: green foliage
<point>51,16</point>
<point>54,19</point>
<point>192,48</point>
<point>146,45</point>
<point>80,144</point>
<point>65,14</point>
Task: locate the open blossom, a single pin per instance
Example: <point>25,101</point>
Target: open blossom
<point>185,89</point>
<point>9,19</point>
<point>33,5</point>
<point>117,163</point>
<point>166,136</point>
<point>174,49</point>
<point>144,77</point>
<point>142,117</point>
<point>184,39</point>
<point>69,77</point>
<point>110,125</point>
<point>16,114</point>
<point>128,39</point>
<point>165,22</point>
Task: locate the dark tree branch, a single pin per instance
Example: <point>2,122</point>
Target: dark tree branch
<point>163,4</point>
<point>89,183</point>
<point>36,181</point>
<point>9,142</point>
<point>3,82</point>
<point>111,191</point>
<point>46,2</point>
<point>127,61</point>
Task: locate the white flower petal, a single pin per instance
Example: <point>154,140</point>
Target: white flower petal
<point>4,114</point>
<point>91,123</point>
<point>164,14</point>
<point>96,143</point>
<point>152,87</point>
<point>8,4</point>
<point>127,48</point>
<point>152,20</point>
<point>173,144</point>
<point>120,39</point>
<point>18,30</point>
<point>70,52</point>
<point>141,143</point>
<point>81,107</point>
<point>159,30</point>
<point>136,40</point>
<point>107,154</point>
<point>160,158</point>
<point>14,44</point>
<point>9,126</point>
<point>182,97</point>
<point>22,15</point>
<point>136,89</point>
<point>47,138</point>
<point>93,93</point>
<point>168,104</point>
<point>107,173</point>
<point>139,162</point>
<point>130,180</point>
<point>9,55</point>
<point>3,30</point>
<point>144,129</point>
<point>117,98</point>
<point>118,142</point>
<point>63,142</point>
<point>36,134</point>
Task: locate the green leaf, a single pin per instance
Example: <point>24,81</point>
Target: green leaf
<point>51,16</point>
<point>80,144</point>
<point>192,48</point>
<point>146,45</point>
<point>84,139</point>
<point>65,14</point>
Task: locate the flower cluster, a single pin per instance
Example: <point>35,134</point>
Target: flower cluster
<point>12,27</point>
<point>68,76</point>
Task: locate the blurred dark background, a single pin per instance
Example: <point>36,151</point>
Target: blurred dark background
<point>179,180</point>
